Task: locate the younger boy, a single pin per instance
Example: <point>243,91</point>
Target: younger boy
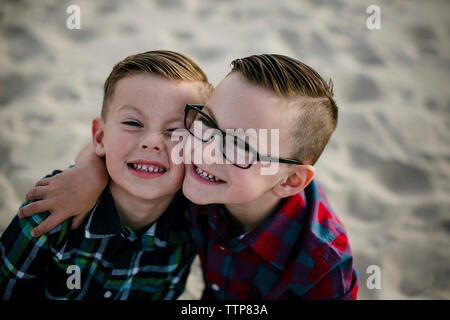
<point>267,236</point>
<point>135,242</point>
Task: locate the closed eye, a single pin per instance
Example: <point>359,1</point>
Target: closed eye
<point>132,123</point>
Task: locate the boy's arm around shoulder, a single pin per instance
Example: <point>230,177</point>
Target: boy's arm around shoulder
<point>70,193</point>
<point>24,259</point>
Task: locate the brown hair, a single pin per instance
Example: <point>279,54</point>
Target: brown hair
<point>306,91</point>
<point>168,64</point>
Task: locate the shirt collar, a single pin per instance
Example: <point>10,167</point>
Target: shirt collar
<point>275,238</point>
<point>104,221</point>
<point>172,225</point>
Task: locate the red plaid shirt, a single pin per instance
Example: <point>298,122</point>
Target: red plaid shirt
<point>301,252</point>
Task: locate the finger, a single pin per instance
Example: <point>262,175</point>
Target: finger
<point>77,221</point>
<point>37,193</point>
<point>43,182</point>
<point>33,208</point>
<point>45,226</point>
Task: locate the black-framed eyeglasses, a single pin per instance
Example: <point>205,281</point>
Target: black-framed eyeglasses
<point>234,148</point>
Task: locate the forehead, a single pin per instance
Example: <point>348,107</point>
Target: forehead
<point>153,93</point>
<point>236,103</point>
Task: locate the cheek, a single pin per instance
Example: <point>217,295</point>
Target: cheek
<point>176,164</point>
<point>119,142</point>
<point>245,185</point>
<point>177,172</point>
<point>249,184</point>
<point>117,147</point>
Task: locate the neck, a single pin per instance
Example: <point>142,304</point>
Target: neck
<point>138,213</point>
<point>247,216</point>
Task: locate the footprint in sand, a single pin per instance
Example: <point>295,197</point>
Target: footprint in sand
<point>5,155</point>
<point>362,88</point>
<point>320,47</point>
<point>167,4</point>
<point>21,43</point>
<point>64,93</point>
<point>12,85</point>
<point>366,206</point>
<point>365,53</point>
<point>434,215</point>
<point>403,178</point>
<point>421,269</point>
<point>292,39</point>
<point>86,33</point>
<point>207,54</point>
<point>108,7</point>
<point>184,35</point>
<point>397,176</point>
<point>425,39</point>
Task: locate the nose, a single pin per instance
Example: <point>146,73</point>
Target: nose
<point>152,142</point>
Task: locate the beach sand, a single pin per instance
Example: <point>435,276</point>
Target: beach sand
<point>386,169</point>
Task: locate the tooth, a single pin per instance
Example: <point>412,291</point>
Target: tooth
<point>139,167</point>
<point>151,169</point>
<point>210,176</point>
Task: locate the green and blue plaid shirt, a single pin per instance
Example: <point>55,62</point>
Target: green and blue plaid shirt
<point>103,259</point>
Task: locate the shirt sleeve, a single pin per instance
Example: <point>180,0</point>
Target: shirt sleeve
<point>338,283</point>
<point>24,259</point>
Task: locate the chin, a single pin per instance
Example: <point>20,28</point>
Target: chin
<point>195,196</point>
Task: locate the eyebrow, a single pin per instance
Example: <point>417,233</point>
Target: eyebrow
<point>128,106</point>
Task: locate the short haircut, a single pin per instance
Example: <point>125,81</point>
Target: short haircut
<point>168,64</point>
<point>307,93</point>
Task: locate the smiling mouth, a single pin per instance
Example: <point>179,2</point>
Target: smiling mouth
<point>206,176</point>
<point>146,168</point>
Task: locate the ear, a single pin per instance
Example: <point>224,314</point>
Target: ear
<point>97,136</point>
<point>297,180</point>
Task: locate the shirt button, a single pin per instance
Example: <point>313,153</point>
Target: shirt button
<point>108,294</point>
<point>215,287</point>
<point>222,248</point>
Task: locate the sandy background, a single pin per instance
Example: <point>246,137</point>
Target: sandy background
<point>386,170</point>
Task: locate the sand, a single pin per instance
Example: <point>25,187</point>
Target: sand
<point>386,170</point>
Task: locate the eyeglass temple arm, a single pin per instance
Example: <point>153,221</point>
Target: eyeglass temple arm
<point>280,160</point>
